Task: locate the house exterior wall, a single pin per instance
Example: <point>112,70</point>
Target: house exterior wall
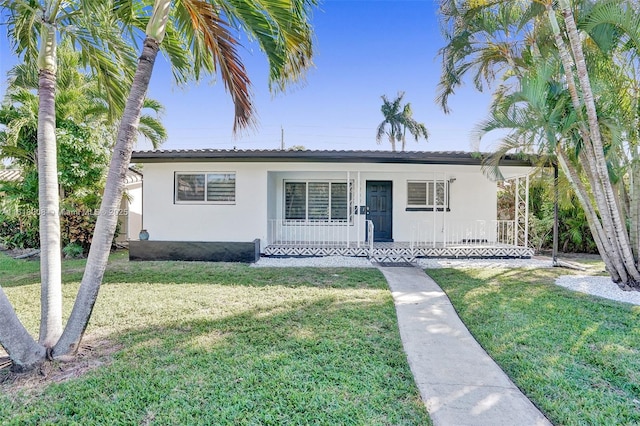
<point>166,220</point>
<point>260,199</point>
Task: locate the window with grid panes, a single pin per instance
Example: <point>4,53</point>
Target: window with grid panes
<point>213,188</point>
<point>427,194</point>
<point>316,201</point>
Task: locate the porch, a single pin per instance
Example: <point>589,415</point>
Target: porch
<point>395,216</point>
<point>478,239</point>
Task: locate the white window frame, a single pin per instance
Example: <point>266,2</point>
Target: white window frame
<point>427,205</point>
<point>330,220</point>
<point>206,188</point>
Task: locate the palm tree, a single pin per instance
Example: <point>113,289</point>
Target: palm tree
<point>398,119</point>
<point>199,38</point>
<point>392,123</point>
<point>510,40</point>
<point>32,24</point>
<point>84,130</point>
<point>417,130</point>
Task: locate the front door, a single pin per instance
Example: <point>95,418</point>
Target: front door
<point>379,208</point>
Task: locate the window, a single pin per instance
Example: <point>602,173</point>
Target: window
<point>317,201</point>
<point>428,195</point>
<point>214,188</point>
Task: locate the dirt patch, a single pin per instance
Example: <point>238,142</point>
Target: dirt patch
<point>28,253</point>
<point>94,352</point>
<point>573,256</point>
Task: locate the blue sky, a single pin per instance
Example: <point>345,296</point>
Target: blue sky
<point>364,49</point>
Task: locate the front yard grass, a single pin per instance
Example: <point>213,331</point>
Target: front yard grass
<point>577,357</point>
<point>203,343</point>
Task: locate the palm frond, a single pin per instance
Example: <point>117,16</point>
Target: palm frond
<point>215,47</point>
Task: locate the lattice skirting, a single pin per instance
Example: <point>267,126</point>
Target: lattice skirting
<point>315,251</point>
<point>393,254</point>
<point>477,252</point>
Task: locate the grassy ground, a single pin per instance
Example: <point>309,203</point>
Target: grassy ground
<point>225,344</point>
<point>577,357</point>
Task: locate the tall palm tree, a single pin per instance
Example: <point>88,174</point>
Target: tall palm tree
<point>199,38</point>
<point>34,28</point>
<point>398,119</point>
<point>84,130</point>
<point>282,29</point>
<point>392,123</point>
<point>497,39</point>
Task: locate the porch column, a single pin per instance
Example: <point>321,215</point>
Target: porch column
<point>349,207</point>
<point>435,211</point>
<point>516,222</point>
<point>356,217</point>
<point>526,214</point>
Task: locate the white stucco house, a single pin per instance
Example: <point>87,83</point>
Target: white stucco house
<point>238,204</point>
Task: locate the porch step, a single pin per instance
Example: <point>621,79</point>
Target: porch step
<point>384,258</point>
<point>402,264</point>
<point>393,254</point>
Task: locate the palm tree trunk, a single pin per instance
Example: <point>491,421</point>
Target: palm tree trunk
<point>611,201</point>
<point>593,149</point>
<point>634,208</point>
<point>599,236</point>
<point>50,253</point>
<point>613,248</point>
<point>23,351</point>
<point>404,133</point>
<point>108,219</point>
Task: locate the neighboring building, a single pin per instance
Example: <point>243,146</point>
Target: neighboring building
<point>10,175</point>
<point>230,204</point>
<point>130,220</point>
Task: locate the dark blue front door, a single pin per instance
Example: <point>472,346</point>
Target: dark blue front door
<point>379,209</point>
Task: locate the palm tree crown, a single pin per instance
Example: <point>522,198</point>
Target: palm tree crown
<point>397,121</point>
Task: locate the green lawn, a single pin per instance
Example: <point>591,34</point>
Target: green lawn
<point>226,344</point>
<point>577,357</point>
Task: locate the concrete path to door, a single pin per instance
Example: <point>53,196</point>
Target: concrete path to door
<point>458,381</point>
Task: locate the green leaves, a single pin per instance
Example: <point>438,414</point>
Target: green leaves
<point>398,119</point>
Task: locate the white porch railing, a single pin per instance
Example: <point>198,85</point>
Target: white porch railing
<point>477,232</point>
<point>423,234</point>
<point>318,233</point>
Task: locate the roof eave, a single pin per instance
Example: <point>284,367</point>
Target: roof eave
<point>453,158</point>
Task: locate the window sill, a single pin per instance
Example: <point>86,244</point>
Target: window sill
<point>204,203</point>
<point>426,209</point>
<point>295,222</point>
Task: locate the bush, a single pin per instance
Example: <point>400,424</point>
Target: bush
<point>73,251</point>
<point>76,227</point>
<point>19,233</point>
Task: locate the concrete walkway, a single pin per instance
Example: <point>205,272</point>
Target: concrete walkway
<point>459,383</point>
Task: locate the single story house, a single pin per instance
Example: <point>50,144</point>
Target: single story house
<point>239,204</point>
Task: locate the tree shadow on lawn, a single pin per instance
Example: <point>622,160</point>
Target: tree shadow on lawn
<point>174,272</point>
<point>325,360</point>
<point>242,274</point>
<point>553,341</point>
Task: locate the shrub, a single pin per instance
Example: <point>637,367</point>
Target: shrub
<point>73,251</point>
